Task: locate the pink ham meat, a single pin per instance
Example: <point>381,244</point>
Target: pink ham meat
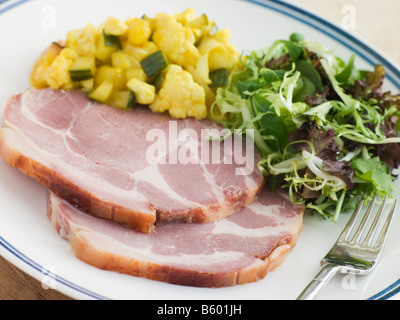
<point>94,156</point>
<point>238,249</point>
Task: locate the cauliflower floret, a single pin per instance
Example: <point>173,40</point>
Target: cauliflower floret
<point>144,92</point>
<point>83,41</point>
<point>39,75</point>
<point>176,41</point>
<point>115,26</point>
<point>180,95</point>
<point>58,73</point>
<point>221,53</point>
<point>186,16</point>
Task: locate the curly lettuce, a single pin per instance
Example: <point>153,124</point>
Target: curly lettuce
<point>325,130</point>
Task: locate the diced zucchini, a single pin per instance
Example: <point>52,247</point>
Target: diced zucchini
<point>154,63</point>
<point>111,41</point>
<point>202,69</point>
<point>124,100</point>
<point>57,45</point>
<point>87,85</point>
<point>200,27</point>
<point>123,60</point>
<point>115,75</point>
<point>219,78</point>
<point>199,22</point>
<point>158,81</point>
<point>136,73</point>
<point>103,92</point>
<point>151,21</point>
<point>83,69</point>
<point>103,52</point>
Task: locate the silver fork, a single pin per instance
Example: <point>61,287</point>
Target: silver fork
<point>357,253</point>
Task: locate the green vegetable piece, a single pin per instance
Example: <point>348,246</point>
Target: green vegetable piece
<point>158,81</point>
<point>272,75</point>
<point>219,78</point>
<point>307,70</point>
<point>124,99</point>
<point>299,87</point>
<point>343,76</point>
<point>201,26</point>
<point>270,124</point>
<point>131,101</point>
<point>152,21</point>
<point>307,89</point>
<point>58,45</point>
<point>199,22</point>
<point>112,41</point>
<point>82,69</point>
<point>154,63</point>
<point>296,37</point>
<point>375,172</point>
<point>295,50</point>
<point>80,75</point>
<point>249,86</point>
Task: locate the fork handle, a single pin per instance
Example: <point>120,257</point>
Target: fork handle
<point>319,281</point>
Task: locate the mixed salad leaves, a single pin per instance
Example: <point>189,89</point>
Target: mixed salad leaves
<point>325,130</point>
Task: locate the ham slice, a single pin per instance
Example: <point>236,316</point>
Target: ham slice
<point>238,249</point>
<point>96,158</point>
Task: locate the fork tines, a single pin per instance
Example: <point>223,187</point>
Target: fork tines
<point>358,237</point>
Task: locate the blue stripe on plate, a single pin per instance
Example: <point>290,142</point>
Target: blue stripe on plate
<point>39,268</point>
<point>329,29</point>
<point>387,293</point>
<point>14,4</point>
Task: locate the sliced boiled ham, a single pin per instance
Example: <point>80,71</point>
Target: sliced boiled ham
<point>95,157</point>
<point>238,249</point>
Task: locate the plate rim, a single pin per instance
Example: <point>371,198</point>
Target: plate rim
<point>330,29</point>
<point>37,269</point>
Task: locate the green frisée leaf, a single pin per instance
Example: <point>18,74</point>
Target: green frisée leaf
<point>325,130</point>
<point>308,71</point>
<point>347,99</point>
<point>282,47</point>
<point>295,50</point>
<point>319,113</point>
<point>248,86</point>
<point>344,76</point>
<point>306,88</point>
<point>375,172</point>
<point>272,75</point>
<point>270,125</point>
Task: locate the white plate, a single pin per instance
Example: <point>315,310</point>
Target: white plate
<point>26,237</point>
